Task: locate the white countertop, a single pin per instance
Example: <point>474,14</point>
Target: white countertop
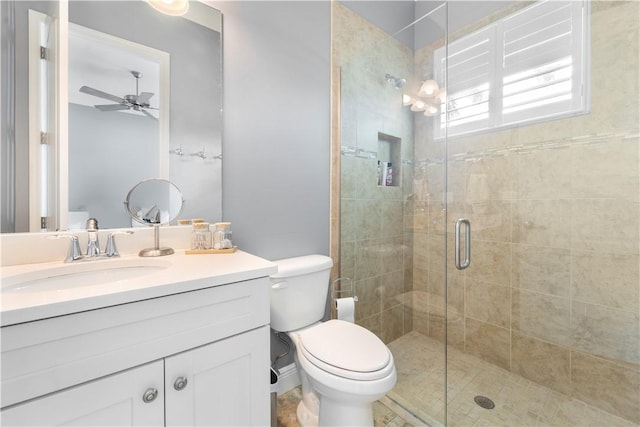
<point>175,274</point>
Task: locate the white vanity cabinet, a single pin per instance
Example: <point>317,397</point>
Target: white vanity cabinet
<point>199,358</point>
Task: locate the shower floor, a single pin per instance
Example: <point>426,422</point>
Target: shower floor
<point>518,402</point>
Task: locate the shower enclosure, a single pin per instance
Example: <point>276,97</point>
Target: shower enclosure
<point>516,132</point>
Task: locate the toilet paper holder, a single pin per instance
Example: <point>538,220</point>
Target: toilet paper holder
<point>338,290</point>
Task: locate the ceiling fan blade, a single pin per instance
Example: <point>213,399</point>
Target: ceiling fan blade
<point>148,114</point>
<point>111,107</point>
<point>144,98</point>
<point>95,92</point>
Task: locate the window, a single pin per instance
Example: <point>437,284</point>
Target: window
<point>529,66</point>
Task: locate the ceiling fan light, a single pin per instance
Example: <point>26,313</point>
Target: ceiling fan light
<point>170,7</point>
<point>406,100</point>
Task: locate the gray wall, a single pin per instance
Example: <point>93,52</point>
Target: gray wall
<point>276,141</point>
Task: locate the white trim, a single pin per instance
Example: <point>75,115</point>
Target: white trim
<point>288,379</point>
<point>35,19</point>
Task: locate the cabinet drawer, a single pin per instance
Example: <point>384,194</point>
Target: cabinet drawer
<point>48,355</point>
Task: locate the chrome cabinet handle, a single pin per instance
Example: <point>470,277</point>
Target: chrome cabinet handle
<point>180,383</point>
<point>150,395</point>
<point>467,243</point>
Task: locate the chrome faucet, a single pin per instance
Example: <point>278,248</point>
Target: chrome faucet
<point>93,244</point>
<point>111,251</point>
<point>74,253</point>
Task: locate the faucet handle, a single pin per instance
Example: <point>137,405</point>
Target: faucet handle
<point>111,250</point>
<point>74,253</point>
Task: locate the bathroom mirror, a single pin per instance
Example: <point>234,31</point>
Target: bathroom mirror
<point>154,202</point>
<point>96,155</point>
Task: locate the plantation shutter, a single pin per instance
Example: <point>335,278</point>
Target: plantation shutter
<point>529,66</point>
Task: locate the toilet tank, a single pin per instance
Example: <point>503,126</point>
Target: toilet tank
<point>299,291</point>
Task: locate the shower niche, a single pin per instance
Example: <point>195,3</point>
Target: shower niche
<point>389,149</point>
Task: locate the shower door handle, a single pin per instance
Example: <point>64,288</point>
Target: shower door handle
<point>467,243</point>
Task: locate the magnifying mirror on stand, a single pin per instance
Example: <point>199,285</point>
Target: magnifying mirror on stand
<point>154,202</point>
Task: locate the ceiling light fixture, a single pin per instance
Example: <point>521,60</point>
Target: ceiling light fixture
<point>429,88</point>
<point>170,7</point>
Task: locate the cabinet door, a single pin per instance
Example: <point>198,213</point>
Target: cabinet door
<point>227,383</point>
<point>116,400</point>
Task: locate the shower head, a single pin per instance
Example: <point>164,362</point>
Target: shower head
<point>397,82</point>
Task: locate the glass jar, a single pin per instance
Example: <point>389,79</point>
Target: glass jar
<point>222,236</point>
<point>201,236</point>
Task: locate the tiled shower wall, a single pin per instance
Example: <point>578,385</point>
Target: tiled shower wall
<point>375,248</point>
<point>553,291</point>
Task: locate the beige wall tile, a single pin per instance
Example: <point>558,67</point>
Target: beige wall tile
<point>606,279</point>
<point>392,220</point>
<point>348,220</point>
<point>490,178</point>
<point>369,297</point>
<point>347,260</point>
<point>490,220</point>
<point>606,332</point>
<point>605,225</point>
<point>541,316</point>
<point>541,362</point>
<point>606,385</point>
<point>542,223</point>
<point>393,251</point>
<point>544,174</point>
<point>368,260</point>
<point>488,342</point>
<point>541,269</point>
<point>392,323</point>
<point>392,289</point>
<point>488,303</point>
<point>617,177</point>
<point>490,262</point>
<point>368,223</point>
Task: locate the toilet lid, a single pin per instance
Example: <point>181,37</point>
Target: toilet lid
<point>345,349</point>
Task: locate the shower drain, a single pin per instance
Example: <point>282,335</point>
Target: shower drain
<point>484,402</point>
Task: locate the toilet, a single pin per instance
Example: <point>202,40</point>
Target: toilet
<point>343,367</point>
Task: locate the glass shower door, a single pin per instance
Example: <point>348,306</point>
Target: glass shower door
<point>541,129</point>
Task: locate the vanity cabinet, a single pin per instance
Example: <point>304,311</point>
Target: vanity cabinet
<point>204,352</point>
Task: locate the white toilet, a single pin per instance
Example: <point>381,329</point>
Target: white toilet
<point>343,367</point>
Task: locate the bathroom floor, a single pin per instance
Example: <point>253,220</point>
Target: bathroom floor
<point>420,362</point>
<point>383,416</point>
<point>518,402</point>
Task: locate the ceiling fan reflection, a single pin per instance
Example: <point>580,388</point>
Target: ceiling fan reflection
<point>138,102</point>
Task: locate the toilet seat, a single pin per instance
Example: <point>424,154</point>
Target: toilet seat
<point>346,350</point>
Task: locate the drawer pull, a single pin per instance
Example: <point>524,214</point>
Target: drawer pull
<point>150,395</point>
<point>180,384</point>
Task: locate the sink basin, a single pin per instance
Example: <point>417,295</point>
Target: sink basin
<point>82,273</point>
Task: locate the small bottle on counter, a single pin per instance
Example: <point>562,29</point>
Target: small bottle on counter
<point>201,236</point>
<point>222,236</point>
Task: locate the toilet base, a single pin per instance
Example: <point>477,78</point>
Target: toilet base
<point>338,413</point>
<point>306,418</point>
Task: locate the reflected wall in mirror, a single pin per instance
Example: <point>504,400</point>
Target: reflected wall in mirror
<point>174,133</point>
